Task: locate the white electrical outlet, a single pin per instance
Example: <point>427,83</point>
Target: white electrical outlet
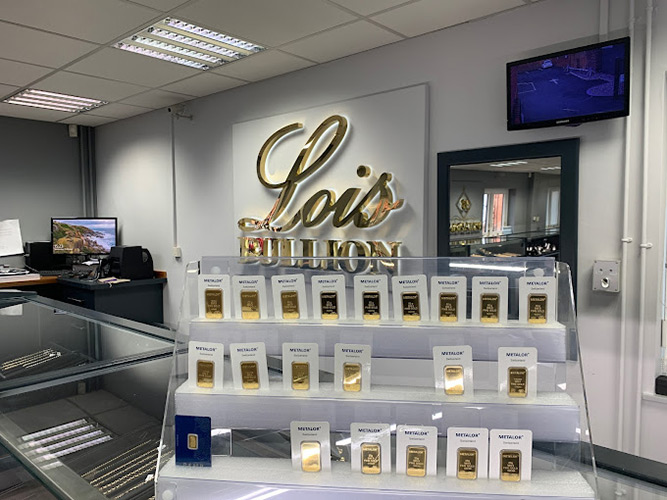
<point>606,276</point>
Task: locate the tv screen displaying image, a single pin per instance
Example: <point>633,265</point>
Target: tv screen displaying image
<point>80,236</point>
<point>569,87</point>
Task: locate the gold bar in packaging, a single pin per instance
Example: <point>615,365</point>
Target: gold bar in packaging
<point>193,441</point>
<point>510,465</point>
<point>310,456</point>
<point>537,308</point>
<point>352,377</point>
<point>329,303</point>
<point>213,300</point>
<point>205,373</point>
<point>448,307</point>
<point>517,381</point>
<point>453,380</point>
<point>489,308</point>
<point>466,463</point>
<point>416,461</point>
<point>249,375</point>
<point>370,458</point>
<point>300,376</point>
<point>410,302</point>
<point>371,305</point>
<point>250,304</point>
<point>290,302</point>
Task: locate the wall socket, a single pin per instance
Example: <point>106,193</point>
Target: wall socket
<point>606,276</point>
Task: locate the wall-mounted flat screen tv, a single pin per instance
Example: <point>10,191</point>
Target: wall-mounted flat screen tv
<point>84,236</point>
<point>570,87</point>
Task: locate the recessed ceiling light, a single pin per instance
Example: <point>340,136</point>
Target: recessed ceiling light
<point>187,44</point>
<point>52,100</point>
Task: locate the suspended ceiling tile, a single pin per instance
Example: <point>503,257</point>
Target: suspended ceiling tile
<point>341,41</point>
<point>88,86</point>
<point>162,5</point>
<point>367,7</point>
<point>268,22</point>
<point>156,99</point>
<point>6,90</point>
<point>430,15</point>
<point>36,47</point>
<point>117,110</point>
<point>263,65</point>
<point>117,64</point>
<point>16,73</point>
<point>204,84</point>
<point>46,115</point>
<point>88,120</point>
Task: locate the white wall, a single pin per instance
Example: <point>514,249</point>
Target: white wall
<point>464,67</point>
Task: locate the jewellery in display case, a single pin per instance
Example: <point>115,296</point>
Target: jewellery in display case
<point>289,296</point>
<point>352,367</point>
<point>329,297</point>
<point>466,463</point>
<point>193,440</point>
<point>370,448</point>
<point>448,299</point>
<point>510,454</point>
<point>249,375</point>
<point>300,366</point>
<point>214,293</point>
<point>489,309</point>
<point>415,463</point>
<point>310,456</point>
<point>453,380</point>
<point>250,304</point>
<point>537,300</point>
<point>206,364</point>
<point>371,305</point>
<point>250,301</point>
<point>467,452</point>
<point>537,308</point>
<point>410,295</point>
<point>249,367</point>
<point>489,299</point>
<point>517,380</point>
<point>453,370</point>
<point>510,465</point>
<point>310,446</point>
<point>517,372</point>
<point>416,450</point>
<point>371,297</point>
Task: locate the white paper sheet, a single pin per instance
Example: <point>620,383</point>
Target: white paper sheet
<point>11,242</point>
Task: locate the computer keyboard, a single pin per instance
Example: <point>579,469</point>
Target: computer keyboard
<point>54,272</point>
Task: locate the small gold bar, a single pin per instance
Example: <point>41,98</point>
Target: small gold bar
<point>310,456</point>
<point>466,463</point>
<point>537,308</point>
<point>510,465</point>
<point>517,381</point>
<point>213,299</point>
<point>416,461</point>
<point>352,377</point>
<point>250,304</point>
<point>490,308</point>
<point>448,307</point>
<point>453,380</point>
<point>329,302</point>
<point>371,305</point>
<point>370,458</point>
<point>300,376</point>
<point>250,375</point>
<point>410,301</point>
<point>193,441</point>
<point>290,302</point>
<point>205,371</point>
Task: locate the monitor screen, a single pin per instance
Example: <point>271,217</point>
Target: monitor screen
<point>84,236</point>
<point>570,87</point>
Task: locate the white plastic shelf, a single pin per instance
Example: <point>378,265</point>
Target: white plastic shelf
<point>552,416</point>
<point>262,478</point>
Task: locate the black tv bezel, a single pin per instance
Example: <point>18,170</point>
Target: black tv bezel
<point>575,120</point>
<point>115,219</point>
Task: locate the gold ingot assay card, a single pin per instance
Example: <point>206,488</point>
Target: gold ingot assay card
<point>310,456</point>
<point>193,441</point>
<point>352,377</point>
<point>517,381</point>
<point>300,376</point>
<point>510,465</point>
<point>370,458</point>
<point>250,304</point>
<point>466,463</point>
<point>205,371</point>
<point>489,308</point>
<point>410,303</point>
<point>448,307</point>
<point>213,298</point>
<point>416,461</point>
<point>453,380</point>
<point>329,303</point>
<point>371,305</point>
<point>249,375</point>
<point>537,308</point>
<point>290,303</point>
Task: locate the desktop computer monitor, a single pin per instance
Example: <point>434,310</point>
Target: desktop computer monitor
<point>84,236</point>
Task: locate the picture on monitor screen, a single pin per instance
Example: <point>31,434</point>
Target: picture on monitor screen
<point>93,236</point>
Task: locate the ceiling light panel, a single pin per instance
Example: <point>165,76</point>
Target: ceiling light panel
<point>187,44</point>
<point>52,100</point>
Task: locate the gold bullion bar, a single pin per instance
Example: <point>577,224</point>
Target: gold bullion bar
<point>517,381</point>
<point>448,307</point>
<point>213,300</point>
<point>453,380</point>
<point>290,302</point>
<point>249,375</point>
<point>329,303</point>
<point>410,301</point>
<point>370,458</point>
<point>537,308</point>
<point>205,370</point>
<point>489,308</point>
<point>249,304</point>
<point>371,305</point>
<point>193,441</point>
<point>352,377</point>
<point>510,465</point>
<point>300,375</point>
<point>310,456</point>
<point>416,461</point>
<point>466,463</point>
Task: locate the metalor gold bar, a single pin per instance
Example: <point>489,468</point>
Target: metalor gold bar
<point>371,305</point>
<point>290,303</point>
<point>416,461</point>
<point>410,302</point>
<point>517,381</point>
<point>213,300</point>
<point>489,308</point>
<point>310,456</point>
<point>466,463</point>
<point>510,465</point>
<point>205,370</point>
<point>454,380</point>
<point>193,441</point>
<point>352,377</point>
<point>449,307</point>
<point>300,375</point>
<point>537,308</point>
<point>329,303</point>
<point>370,458</point>
<point>249,304</point>
<point>250,375</point>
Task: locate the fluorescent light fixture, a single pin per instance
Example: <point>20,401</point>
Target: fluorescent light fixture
<point>184,43</point>
<point>508,163</point>
<point>52,100</point>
